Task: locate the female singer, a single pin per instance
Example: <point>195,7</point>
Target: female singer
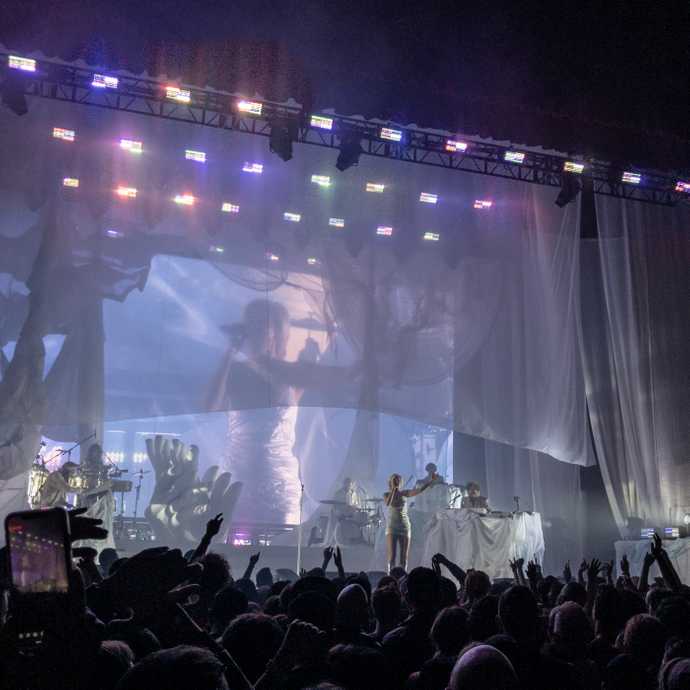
<point>398,528</point>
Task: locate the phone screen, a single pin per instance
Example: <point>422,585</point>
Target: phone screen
<point>39,551</point>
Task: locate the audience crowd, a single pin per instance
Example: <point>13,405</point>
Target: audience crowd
<point>161,619</point>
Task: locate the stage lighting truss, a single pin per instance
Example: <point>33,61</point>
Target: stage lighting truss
<point>212,108</point>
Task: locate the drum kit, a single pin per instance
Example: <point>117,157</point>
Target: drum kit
<point>355,525</point>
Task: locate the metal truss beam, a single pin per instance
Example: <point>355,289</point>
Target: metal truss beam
<point>211,108</point>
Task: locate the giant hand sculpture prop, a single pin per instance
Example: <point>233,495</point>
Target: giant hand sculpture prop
<point>181,503</point>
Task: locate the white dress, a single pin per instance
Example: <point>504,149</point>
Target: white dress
<point>259,454</point>
<point>259,451</point>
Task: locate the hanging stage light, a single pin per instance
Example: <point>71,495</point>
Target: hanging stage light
<point>350,151</point>
<point>570,188</point>
<point>12,94</point>
<point>283,133</point>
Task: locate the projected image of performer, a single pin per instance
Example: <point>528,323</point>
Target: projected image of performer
<point>474,500</point>
<point>398,527</point>
<point>261,389</point>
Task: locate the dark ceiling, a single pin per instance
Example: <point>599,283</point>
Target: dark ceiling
<point>605,78</point>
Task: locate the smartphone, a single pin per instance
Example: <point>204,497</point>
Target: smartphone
<point>39,552</point>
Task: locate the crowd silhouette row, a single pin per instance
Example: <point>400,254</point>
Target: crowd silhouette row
<point>164,619</point>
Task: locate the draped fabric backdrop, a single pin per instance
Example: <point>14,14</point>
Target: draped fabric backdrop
<point>480,332</point>
<point>636,331</point>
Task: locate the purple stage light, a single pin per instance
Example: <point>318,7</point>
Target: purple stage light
<point>103,81</point>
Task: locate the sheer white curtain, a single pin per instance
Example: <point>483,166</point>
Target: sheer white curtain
<point>636,330</point>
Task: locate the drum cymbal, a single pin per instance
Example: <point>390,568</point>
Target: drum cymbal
<point>333,503</point>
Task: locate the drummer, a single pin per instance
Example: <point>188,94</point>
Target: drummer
<point>56,487</point>
<point>348,495</point>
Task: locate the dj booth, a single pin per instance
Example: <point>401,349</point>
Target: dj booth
<point>484,542</point>
<point>470,539</point>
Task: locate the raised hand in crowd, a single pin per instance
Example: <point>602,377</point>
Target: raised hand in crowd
<point>338,560</point>
<point>581,571</point>
<point>453,568</point>
<point>327,555</point>
<point>253,560</point>
<point>567,573</point>
<point>668,572</point>
<point>212,529</point>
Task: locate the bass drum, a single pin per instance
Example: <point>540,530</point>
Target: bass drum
<point>347,531</point>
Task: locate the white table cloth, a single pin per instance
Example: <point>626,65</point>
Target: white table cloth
<point>484,542</point>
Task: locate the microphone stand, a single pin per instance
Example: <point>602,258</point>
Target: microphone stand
<point>299,530</point>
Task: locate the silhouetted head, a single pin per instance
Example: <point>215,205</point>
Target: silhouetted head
<point>483,619</point>
<point>178,667</point>
<point>644,638</point>
<point>517,611</point>
<point>386,602</point>
<point>450,631</point>
<point>483,667</point>
<point>357,668</point>
<point>352,608</point>
<point>252,640</point>
<point>421,589</point>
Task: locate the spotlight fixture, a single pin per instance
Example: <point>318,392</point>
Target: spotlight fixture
<point>312,260</point>
<point>255,168</point>
<point>391,134</point>
<point>483,204</point>
<point>131,145</point>
<point>631,177</point>
<point>428,198</point>
<point>384,231</point>
<point>126,192</point>
<point>70,182</point>
<point>63,134</point>
<point>336,222</point>
<point>321,122</point>
<point>321,180</point>
<point>227,207</point>
<point>292,217</point>
<point>115,234</point>
<point>21,63</point>
<point>272,257</point>
<point>174,93</point>
<point>375,187</point>
<point>283,133</point>
<point>453,146</point>
<point>570,188</point>
<point>184,199</point>
<point>682,187</point>
<point>103,81</point>
<point>431,236</point>
<point>514,157</point>
<point>573,167</point>
<point>350,151</point>
<point>216,249</point>
<point>198,156</point>
<point>250,107</point>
